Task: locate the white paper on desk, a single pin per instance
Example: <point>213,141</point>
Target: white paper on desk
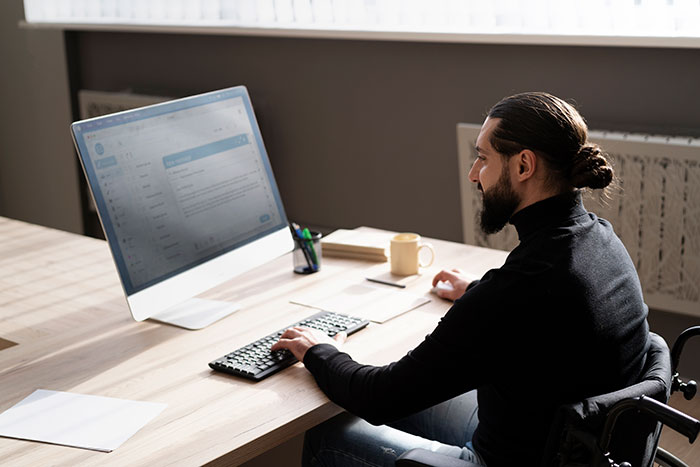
<point>90,422</point>
<point>378,304</point>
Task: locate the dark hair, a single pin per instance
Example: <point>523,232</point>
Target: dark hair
<point>556,132</point>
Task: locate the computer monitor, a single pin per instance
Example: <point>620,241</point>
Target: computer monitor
<point>187,200</point>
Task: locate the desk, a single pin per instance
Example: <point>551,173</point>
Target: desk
<point>62,304</point>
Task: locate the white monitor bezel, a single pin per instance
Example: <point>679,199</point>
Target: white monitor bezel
<point>150,302</point>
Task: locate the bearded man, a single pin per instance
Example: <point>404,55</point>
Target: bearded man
<point>563,319</point>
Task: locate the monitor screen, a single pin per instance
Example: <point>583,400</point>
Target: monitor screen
<point>179,185</point>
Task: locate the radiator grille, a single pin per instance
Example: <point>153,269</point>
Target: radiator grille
<point>98,103</point>
<point>655,211</point>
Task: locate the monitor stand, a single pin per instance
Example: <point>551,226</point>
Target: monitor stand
<point>196,313</point>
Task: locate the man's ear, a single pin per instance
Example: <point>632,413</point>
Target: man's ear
<point>526,161</point>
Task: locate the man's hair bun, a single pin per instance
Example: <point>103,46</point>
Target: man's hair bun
<point>590,168</point>
<point>555,131</point>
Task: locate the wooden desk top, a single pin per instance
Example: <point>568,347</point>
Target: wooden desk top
<point>62,304</point>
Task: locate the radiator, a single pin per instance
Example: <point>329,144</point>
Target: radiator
<point>655,211</point>
<point>98,103</point>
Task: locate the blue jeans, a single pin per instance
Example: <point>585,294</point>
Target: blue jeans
<point>346,440</point>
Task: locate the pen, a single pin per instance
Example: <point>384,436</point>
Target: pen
<point>312,250</point>
<point>379,281</point>
<point>297,230</point>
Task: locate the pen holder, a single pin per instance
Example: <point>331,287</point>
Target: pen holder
<point>307,254</point>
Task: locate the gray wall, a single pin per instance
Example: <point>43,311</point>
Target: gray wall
<point>38,174</point>
<point>359,132</point>
<point>363,132</point>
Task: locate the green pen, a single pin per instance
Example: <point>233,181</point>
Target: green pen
<point>307,237</point>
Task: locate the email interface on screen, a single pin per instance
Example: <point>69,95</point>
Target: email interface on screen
<point>180,183</point>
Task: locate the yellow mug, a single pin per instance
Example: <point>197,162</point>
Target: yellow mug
<point>404,253</point>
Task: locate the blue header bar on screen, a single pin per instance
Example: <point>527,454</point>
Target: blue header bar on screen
<point>201,152</point>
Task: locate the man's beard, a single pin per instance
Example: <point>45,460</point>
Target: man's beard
<point>499,203</point>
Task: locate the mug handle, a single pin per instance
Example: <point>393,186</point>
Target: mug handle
<point>432,254</point>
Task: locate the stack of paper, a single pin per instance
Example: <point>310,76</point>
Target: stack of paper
<point>354,244</point>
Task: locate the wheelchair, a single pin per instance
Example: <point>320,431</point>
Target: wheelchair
<point>619,429</point>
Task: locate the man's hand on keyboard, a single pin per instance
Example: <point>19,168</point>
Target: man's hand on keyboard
<point>298,340</point>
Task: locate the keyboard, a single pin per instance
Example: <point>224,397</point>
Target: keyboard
<point>255,361</point>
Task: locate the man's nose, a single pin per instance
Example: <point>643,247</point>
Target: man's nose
<point>474,172</point>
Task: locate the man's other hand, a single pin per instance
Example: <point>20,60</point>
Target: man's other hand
<point>458,279</point>
<point>298,340</point>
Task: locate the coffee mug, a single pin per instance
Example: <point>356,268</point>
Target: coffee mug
<point>404,253</point>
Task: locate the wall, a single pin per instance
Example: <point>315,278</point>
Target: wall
<point>363,133</point>
<point>38,167</point>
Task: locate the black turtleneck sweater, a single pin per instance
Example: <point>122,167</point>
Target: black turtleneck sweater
<point>563,319</point>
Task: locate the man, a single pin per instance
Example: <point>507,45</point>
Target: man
<point>561,320</point>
